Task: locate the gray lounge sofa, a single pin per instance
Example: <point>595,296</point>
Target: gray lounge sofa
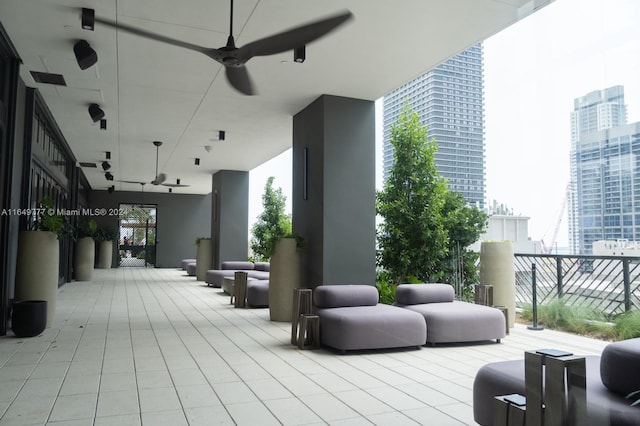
<point>258,270</point>
<point>449,320</point>
<point>258,293</point>
<point>185,262</point>
<point>610,377</point>
<point>352,319</point>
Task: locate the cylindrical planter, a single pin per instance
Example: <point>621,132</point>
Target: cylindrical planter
<point>497,268</point>
<point>284,276</point>
<point>85,258</point>
<point>37,269</point>
<point>29,317</point>
<point>204,258</point>
<point>105,254</point>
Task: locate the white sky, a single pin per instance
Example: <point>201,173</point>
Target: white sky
<point>533,72</point>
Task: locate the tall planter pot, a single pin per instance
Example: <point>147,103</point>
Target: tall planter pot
<point>497,268</point>
<point>284,276</point>
<point>204,256</point>
<point>105,254</point>
<point>85,258</point>
<point>37,269</point>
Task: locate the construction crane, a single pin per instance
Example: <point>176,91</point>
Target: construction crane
<point>548,248</point>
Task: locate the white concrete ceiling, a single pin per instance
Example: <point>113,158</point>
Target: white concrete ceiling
<point>153,91</point>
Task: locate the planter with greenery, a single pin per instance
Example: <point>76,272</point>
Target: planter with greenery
<point>37,268</point>
<point>204,257</point>
<point>85,249</point>
<point>105,238</point>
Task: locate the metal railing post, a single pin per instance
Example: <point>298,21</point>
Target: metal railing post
<point>559,276</point>
<point>534,298</point>
<point>627,285</point>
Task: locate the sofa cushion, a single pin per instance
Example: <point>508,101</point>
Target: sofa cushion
<point>237,264</point>
<point>261,266</point>
<point>620,366</point>
<point>336,296</point>
<point>417,294</point>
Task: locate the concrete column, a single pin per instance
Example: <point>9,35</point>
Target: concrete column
<point>229,216</point>
<point>334,190</point>
<point>497,268</point>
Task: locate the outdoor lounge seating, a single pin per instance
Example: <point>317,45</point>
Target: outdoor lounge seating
<point>610,377</point>
<point>352,319</point>
<point>449,320</point>
<point>258,270</point>
<point>185,262</point>
<point>258,293</point>
<point>191,269</point>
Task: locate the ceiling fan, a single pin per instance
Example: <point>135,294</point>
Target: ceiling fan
<point>160,178</point>
<point>234,58</point>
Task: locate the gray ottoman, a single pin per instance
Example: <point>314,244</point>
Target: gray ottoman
<point>258,293</point>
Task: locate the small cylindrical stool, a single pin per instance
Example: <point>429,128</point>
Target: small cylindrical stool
<point>309,333</point>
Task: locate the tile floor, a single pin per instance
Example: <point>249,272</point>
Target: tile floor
<point>155,347</point>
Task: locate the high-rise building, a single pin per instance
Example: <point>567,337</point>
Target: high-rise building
<point>449,100</point>
<point>605,171</point>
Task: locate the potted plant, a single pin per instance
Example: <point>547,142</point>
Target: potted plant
<point>284,276</point>
<point>85,249</point>
<point>204,256</point>
<point>105,237</point>
<point>37,268</point>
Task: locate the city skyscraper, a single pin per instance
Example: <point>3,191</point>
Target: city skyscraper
<point>604,191</point>
<point>449,100</point>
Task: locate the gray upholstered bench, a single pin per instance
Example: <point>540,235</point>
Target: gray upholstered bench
<point>258,293</point>
<point>352,319</point>
<point>610,377</point>
<point>185,262</point>
<point>449,320</point>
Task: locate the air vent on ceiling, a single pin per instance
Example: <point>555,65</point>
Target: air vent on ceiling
<point>88,164</point>
<point>48,78</point>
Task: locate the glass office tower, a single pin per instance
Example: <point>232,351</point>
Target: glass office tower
<point>605,175</point>
<point>450,101</point>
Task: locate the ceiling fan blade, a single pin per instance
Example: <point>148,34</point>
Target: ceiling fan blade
<point>175,185</point>
<point>159,179</point>
<point>154,36</point>
<point>238,77</point>
<point>295,37</point>
<point>132,181</point>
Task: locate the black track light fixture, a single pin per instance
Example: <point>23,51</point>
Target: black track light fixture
<point>85,55</point>
<point>103,124</point>
<point>299,54</point>
<point>88,18</point>
<point>106,166</point>
<point>221,135</point>
<point>111,189</point>
<point>197,162</point>
<point>108,176</point>
<point>107,155</point>
<point>96,112</point>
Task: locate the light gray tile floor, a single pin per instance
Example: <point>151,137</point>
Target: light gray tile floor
<point>155,347</point>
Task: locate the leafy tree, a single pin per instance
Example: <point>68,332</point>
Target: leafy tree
<point>412,239</point>
<point>272,223</point>
<point>464,225</point>
<point>427,228</point>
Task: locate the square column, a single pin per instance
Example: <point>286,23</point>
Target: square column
<point>334,190</point>
<point>229,216</point>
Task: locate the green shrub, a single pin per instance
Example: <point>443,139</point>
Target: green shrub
<point>627,325</point>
